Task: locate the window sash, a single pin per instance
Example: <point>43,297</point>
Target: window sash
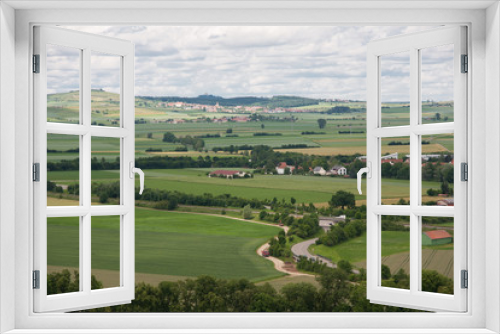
<point>414,298</point>
<point>86,297</point>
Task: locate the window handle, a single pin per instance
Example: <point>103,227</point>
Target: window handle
<point>139,171</point>
<point>368,172</point>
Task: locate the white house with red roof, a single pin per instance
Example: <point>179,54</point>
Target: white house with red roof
<point>282,166</point>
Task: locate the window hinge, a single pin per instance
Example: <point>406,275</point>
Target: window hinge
<point>465,64</point>
<point>464,171</point>
<point>36,63</point>
<point>465,279</point>
<point>36,172</point>
<point>36,279</point>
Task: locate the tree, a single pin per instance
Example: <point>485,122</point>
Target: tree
<point>293,200</point>
<point>342,199</point>
<point>345,265</point>
<point>262,126</point>
<point>150,135</point>
<point>169,137</point>
<point>321,123</point>
<point>262,215</point>
<point>386,272</point>
<point>229,130</point>
<point>438,116</point>
<point>247,212</point>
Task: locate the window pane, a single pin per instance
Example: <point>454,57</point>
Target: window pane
<point>106,251</point>
<point>437,254</point>
<point>395,89</point>
<point>437,84</point>
<point>63,84</point>
<point>105,95</point>
<point>437,170</point>
<point>395,242</point>
<point>106,170</point>
<point>63,255</point>
<point>395,171</point>
<point>63,170</point>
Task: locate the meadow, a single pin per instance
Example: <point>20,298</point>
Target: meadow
<point>170,244</point>
<point>305,189</point>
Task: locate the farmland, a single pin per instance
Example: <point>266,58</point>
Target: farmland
<point>170,244</point>
<point>395,253</point>
<point>305,189</point>
<point>154,119</point>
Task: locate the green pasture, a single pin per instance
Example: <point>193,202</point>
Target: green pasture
<point>305,189</point>
<point>169,243</point>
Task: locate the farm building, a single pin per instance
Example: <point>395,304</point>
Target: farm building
<point>338,170</point>
<point>319,171</point>
<point>438,237</point>
<point>227,173</point>
<point>280,169</point>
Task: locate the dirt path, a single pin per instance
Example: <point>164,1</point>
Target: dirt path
<point>280,265</point>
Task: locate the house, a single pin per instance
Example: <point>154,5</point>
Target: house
<point>282,166</point>
<point>437,237</point>
<point>338,170</point>
<point>229,174</point>
<point>446,202</point>
<point>319,171</point>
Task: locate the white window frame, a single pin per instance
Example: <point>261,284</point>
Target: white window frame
<point>413,44</point>
<point>86,44</point>
<point>484,102</point>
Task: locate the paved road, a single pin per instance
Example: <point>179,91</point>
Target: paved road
<point>301,249</point>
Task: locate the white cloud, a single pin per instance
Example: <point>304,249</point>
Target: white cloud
<point>322,62</point>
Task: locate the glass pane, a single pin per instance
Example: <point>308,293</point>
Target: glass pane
<point>63,84</point>
<point>105,252</point>
<point>395,171</point>
<point>105,170</point>
<point>395,89</point>
<point>105,95</point>
<point>437,254</point>
<point>395,243</point>
<point>437,170</point>
<point>63,255</point>
<point>437,84</point>
<point>63,170</point>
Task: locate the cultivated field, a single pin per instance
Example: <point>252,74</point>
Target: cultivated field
<point>169,243</point>
<point>395,253</point>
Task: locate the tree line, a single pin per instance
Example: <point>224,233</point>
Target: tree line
<point>336,291</point>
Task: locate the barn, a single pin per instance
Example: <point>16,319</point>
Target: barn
<point>437,237</point>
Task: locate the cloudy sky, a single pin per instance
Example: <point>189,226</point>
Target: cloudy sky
<point>320,62</point>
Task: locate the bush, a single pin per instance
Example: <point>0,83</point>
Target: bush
<point>247,212</point>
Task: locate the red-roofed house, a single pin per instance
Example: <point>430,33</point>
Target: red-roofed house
<point>437,237</point>
<point>280,169</point>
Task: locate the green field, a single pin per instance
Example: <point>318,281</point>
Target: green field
<point>305,189</point>
<point>168,243</point>
<point>395,253</point>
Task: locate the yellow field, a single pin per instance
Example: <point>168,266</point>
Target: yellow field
<point>327,150</point>
<point>350,150</point>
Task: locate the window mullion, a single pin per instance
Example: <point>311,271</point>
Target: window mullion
<point>85,161</point>
<point>414,168</point>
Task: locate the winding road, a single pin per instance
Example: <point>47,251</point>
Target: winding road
<point>301,249</point>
